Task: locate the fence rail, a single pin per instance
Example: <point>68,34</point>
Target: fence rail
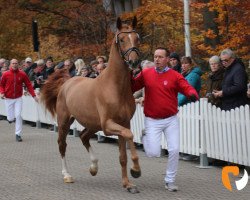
<point>204,129</point>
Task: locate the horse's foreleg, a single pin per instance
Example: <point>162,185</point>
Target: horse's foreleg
<point>85,136</point>
<point>112,128</point>
<point>135,170</point>
<point>123,161</point>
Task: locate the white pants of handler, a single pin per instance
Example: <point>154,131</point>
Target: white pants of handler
<point>13,110</point>
<point>152,142</point>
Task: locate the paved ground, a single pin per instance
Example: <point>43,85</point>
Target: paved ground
<point>31,170</point>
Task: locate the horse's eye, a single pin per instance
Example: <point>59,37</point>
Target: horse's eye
<point>121,40</point>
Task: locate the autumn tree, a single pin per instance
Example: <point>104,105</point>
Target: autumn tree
<point>225,26</point>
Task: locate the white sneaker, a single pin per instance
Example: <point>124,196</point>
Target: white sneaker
<point>171,187</point>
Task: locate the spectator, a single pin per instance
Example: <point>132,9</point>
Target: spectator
<point>214,81</point>
<point>70,66</point>
<point>147,64</point>
<point>79,63</point>
<point>85,72</point>
<point>101,59</point>
<point>193,76</point>
<point>39,74</point>
<point>3,69</point>
<point>6,64</point>
<point>49,66</point>
<point>139,95</point>
<point>248,90</point>
<point>59,65</point>
<point>100,67</point>
<point>27,65</point>
<point>175,62</point>
<point>93,65</point>
<point>11,88</point>
<point>2,61</point>
<point>234,84</point>
<point>160,108</point>
<point>21,65</point>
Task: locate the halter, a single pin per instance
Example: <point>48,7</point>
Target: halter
<point>128,52</point>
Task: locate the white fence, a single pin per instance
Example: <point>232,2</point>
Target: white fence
<point>204,129</point>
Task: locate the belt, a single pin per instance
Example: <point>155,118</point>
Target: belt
<point>159,118</point>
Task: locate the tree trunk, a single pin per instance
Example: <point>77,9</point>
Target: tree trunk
<point>209,23</point>
<point>128,6</point>
<point>108,5</point>
<point>136,4</point>
<point>118,7</point>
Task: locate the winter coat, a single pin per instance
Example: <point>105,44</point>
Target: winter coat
<point>214,82</point>
<point>234,86</point>
<point>194,79</point>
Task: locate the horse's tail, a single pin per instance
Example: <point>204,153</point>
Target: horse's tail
<point>51,88</point>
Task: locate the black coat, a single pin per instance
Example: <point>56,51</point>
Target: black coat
<point>234,86</point>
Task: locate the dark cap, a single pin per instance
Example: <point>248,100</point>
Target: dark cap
<point>174,55</point>
<point>33,66</point>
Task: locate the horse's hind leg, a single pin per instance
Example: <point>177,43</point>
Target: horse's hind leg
<point>64,122</point>
<point>85,136</point>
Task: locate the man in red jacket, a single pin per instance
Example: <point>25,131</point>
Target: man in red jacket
<point>162,85</point>
<point>11,89</point>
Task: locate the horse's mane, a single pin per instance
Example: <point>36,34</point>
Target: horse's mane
<point>51,88</point>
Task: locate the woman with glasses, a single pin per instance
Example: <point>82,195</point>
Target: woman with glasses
<point>214,81</point>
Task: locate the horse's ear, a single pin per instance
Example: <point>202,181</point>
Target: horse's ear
<point>119,23</point>
<point>134,23</point>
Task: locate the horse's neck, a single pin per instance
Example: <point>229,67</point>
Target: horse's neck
<point>116,66</point>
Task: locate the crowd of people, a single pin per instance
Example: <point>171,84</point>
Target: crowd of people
<point>39,70</point>
<point>160,86</point>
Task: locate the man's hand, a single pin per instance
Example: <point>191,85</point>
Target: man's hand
<point>2,96</point>
<point>217,93</point>
<point>193,98</point>
<point>36,99</point>
<point>140,101</point>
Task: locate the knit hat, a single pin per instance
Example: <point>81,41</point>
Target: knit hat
<point>175,55</point>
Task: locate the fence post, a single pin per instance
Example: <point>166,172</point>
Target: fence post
<point>38,122</point>
<point>75,132</point>
<point>203,151</point>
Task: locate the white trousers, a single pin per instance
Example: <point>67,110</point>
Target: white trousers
<point>152,142</point>
<point>13,110</point>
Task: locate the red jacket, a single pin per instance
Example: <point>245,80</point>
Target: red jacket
<point>11,84</point>
<point>161,91</point>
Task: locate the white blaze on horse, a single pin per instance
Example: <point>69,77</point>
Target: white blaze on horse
<point>105,103</point>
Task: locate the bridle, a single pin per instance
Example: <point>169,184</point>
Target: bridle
<point>128,51</point>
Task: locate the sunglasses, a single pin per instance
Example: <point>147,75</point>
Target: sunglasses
<point>225,60</point>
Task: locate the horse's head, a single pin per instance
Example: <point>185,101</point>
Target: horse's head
<point>127,40</point>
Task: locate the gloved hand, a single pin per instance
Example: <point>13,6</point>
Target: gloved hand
<point>193,98</point>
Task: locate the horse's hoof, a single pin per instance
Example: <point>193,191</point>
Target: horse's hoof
<point>133,190</point>
<point>68,179</point>
<point>135,174</point>
<point>93,172</point>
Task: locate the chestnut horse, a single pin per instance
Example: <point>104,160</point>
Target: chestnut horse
<point>105,103</point>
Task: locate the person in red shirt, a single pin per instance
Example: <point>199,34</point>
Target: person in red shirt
<point>11,89</point>
<point>162,85</point>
